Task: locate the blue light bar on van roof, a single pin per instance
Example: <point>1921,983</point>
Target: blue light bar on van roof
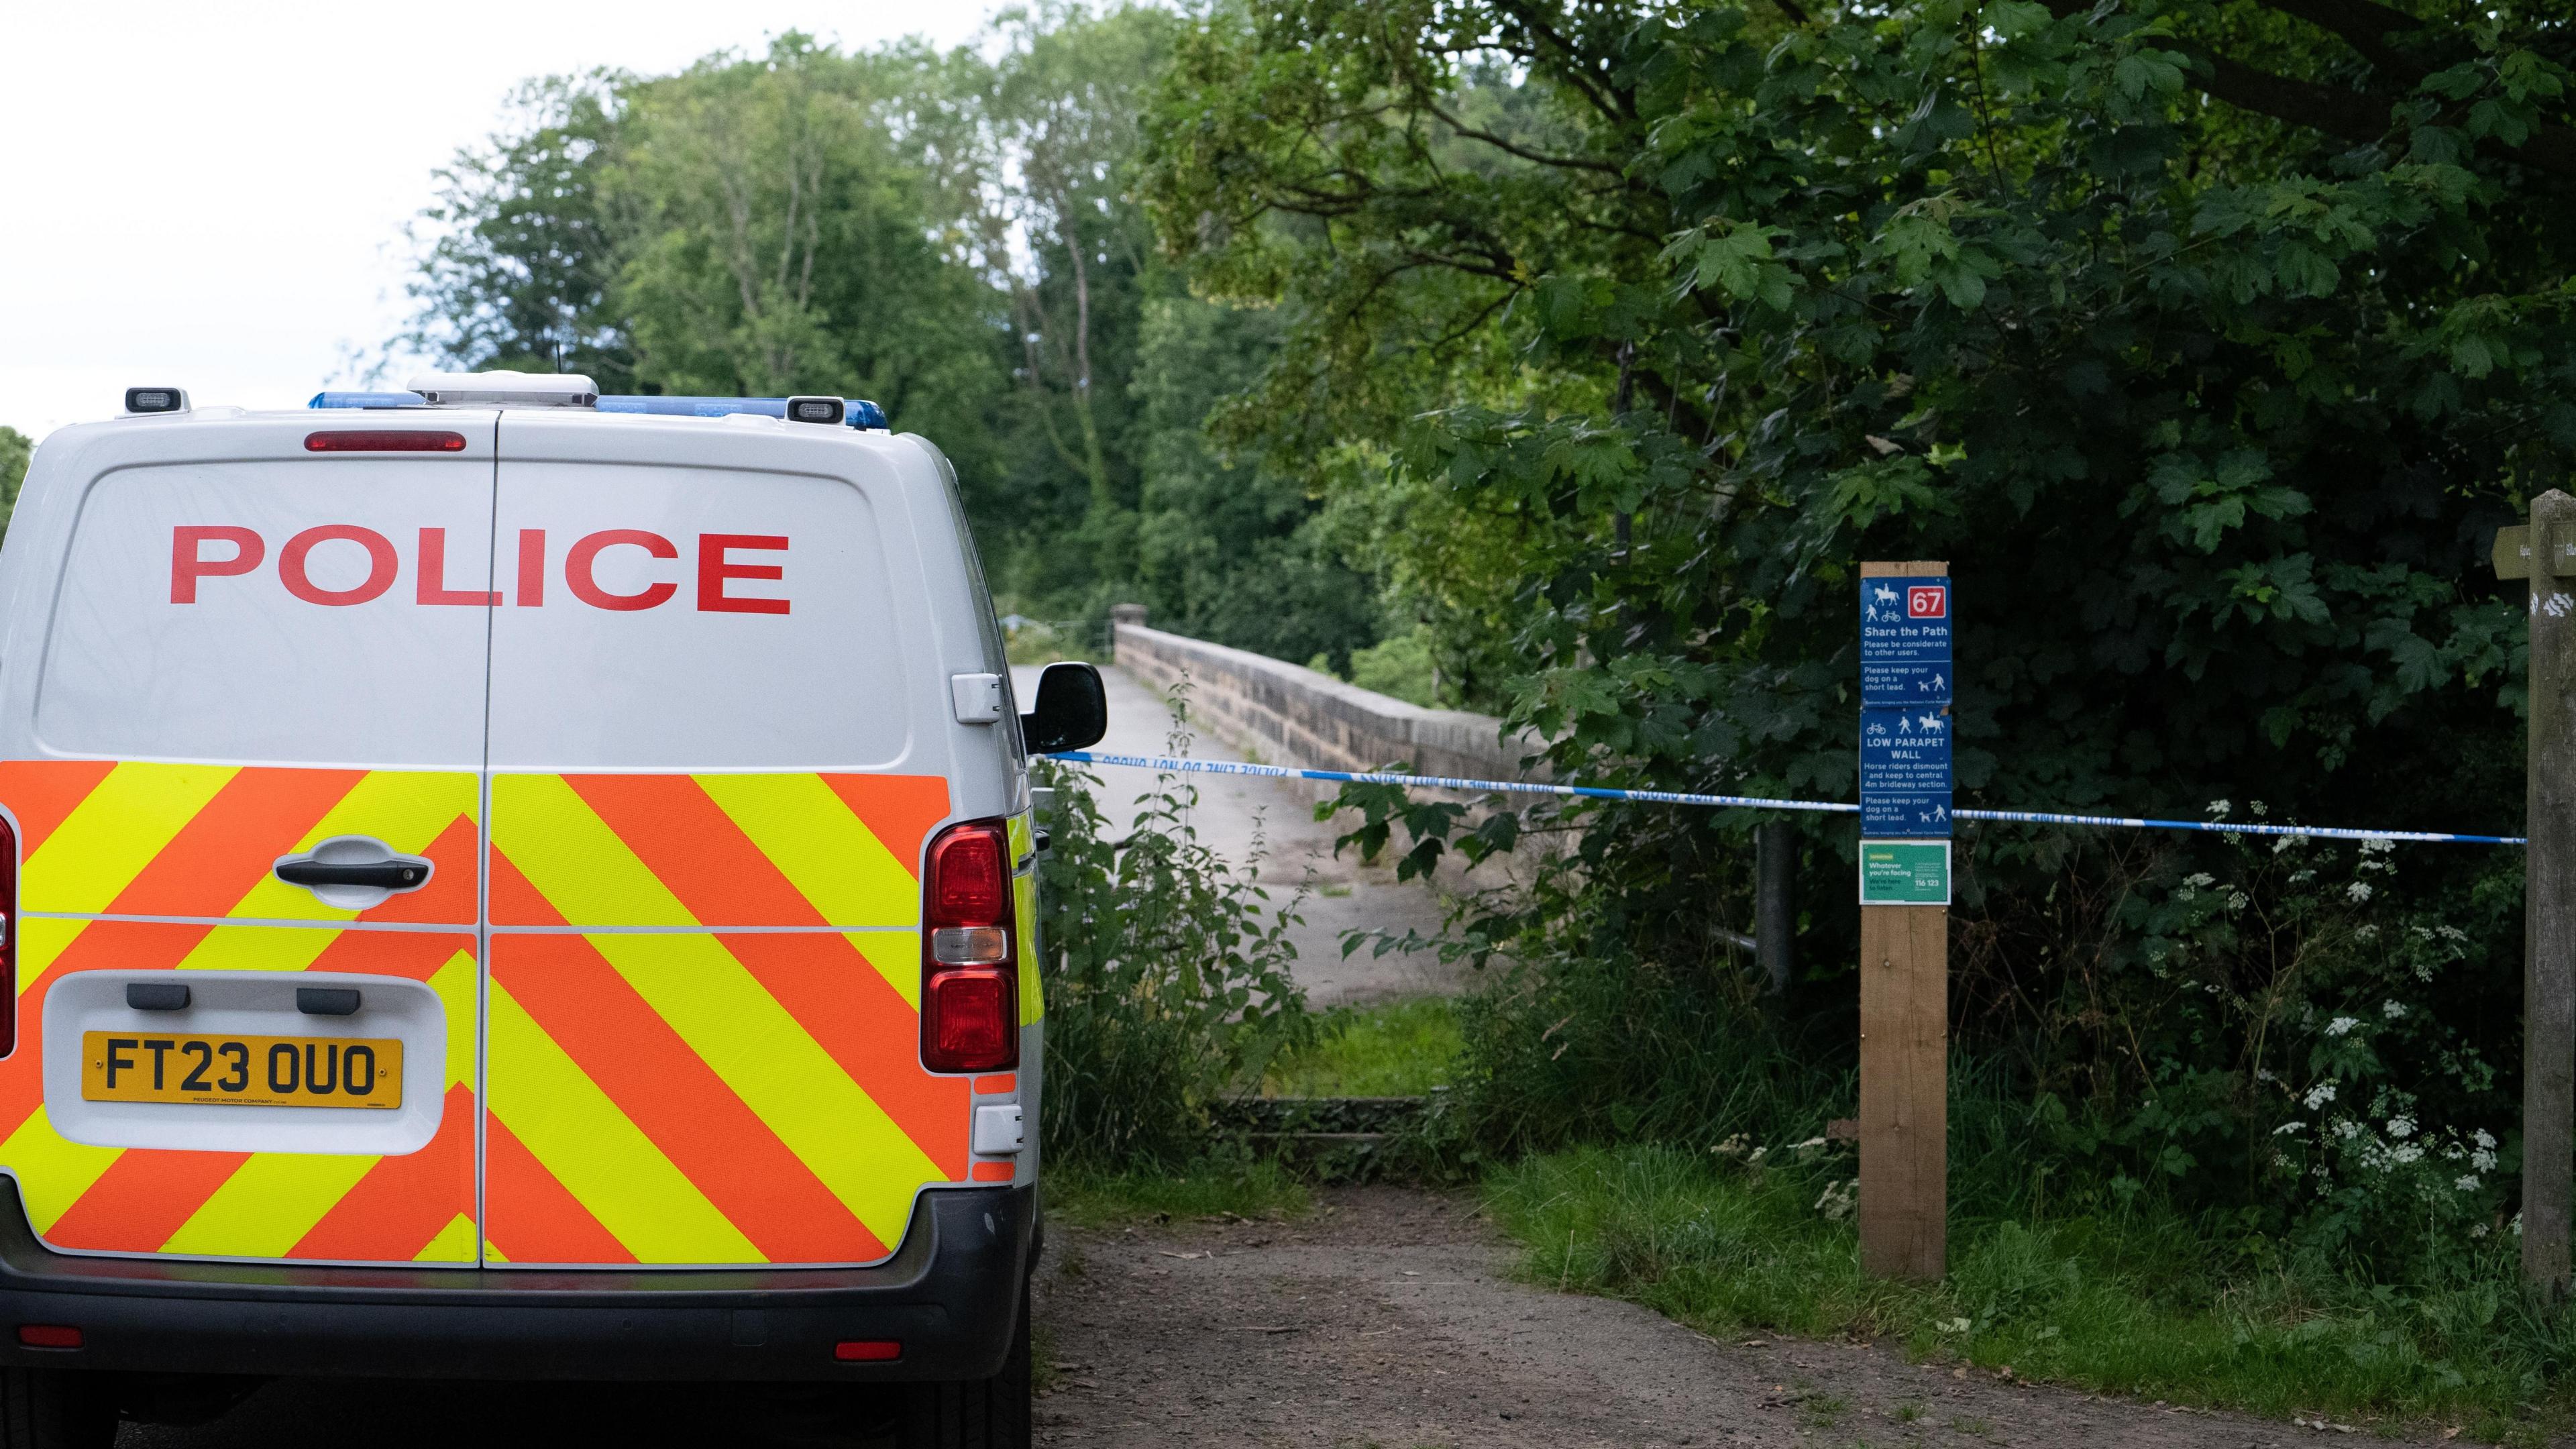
<point>368,400</point>
<point>862,413</point>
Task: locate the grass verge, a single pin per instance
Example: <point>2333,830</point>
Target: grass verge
<point>1402,1049</point>
<point>2144,1305</point>
<point>1255,1188</point>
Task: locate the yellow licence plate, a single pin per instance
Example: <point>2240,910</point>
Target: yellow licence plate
<point>242,1071</point>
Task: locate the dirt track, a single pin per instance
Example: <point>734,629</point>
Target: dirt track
<point>1387,1320</point>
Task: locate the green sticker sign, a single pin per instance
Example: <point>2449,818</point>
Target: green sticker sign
<point>1905,872</point>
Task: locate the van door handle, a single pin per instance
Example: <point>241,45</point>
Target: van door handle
<point>398,874</point>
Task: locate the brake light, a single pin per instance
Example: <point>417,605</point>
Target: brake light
<point>867,1350</point>
<point>384,440</point>
<point>8,937</point>
<point>970,1019</point>
<point>49,1335</point>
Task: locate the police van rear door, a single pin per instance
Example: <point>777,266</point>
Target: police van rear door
<point>245,792</point>
<point>714,762</point>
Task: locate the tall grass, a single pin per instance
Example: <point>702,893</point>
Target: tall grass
<point>1397,1049</point>
<point>2144,1301</point>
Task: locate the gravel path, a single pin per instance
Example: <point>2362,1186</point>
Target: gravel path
<point>1387,1320</point>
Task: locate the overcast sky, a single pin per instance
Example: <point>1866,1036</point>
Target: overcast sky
<point>213,195</point>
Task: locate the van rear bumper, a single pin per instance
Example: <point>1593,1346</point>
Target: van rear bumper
<point>950,1296</point>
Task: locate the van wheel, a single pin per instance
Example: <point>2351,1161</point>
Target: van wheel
<point>54,1409</point>
<point>979,1413</point>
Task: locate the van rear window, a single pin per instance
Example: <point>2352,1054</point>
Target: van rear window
<point>666,617</point>
<point>283,612</point>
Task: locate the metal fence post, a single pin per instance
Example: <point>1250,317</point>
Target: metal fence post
<point>1775,901</point>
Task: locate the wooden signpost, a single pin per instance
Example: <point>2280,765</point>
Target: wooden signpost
<point>2545,553</point>
<point>1905,918</point>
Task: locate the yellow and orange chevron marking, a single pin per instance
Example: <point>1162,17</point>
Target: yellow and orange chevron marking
<point>702,1009</point>
<point>415,1208</point>
<point>138,839</point>
<point>684,1093</point>
<point>100,838</point>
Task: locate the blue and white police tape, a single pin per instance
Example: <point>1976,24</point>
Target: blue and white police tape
<point>1755,802</point>
<point>2229,827</point>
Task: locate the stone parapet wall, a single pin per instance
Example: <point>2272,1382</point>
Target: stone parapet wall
<point>1295,716</point>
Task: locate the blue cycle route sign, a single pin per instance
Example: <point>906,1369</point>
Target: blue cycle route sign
<point>1904,772</point>
<point>1905,641</point>
<point>1905,690</point>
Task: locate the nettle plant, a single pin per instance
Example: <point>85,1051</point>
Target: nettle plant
<point>2283,1003</point>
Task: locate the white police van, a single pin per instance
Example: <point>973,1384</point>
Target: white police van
<point>508,882</point>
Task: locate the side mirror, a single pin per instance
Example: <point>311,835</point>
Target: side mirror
<point>1072,711</point>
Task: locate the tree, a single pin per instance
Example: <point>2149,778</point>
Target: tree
<point>2211,380</point>
<point>516,270</point>
<point>16,451</point>
<point>1229,547</point>
<point>955,236</point>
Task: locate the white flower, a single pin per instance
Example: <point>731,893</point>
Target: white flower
<point>2342,1025</point>
<point>2481,1138</point>
<point>2478,1230</point>
<point>2200,880</point>
<point>2287,1127</point>
<point>2401,1127</point>
<point>2264,1074</point>
<point>2405,1152</point>
<point>2378,845</point>
<point>2236,900</point>
<point>2357,892</point>
<point>2467,1183</point>
<point>2365,933</point>
<point>2451,933</point>
<point>2393,1010</point>
<point>2260,810</point>
<point>2482,1160</point>
<point>2319,1095</point>
<point>2218,809</point>
<point>1838,1198</point>
<point>1953,1325</point>
<point>2347,1129</point>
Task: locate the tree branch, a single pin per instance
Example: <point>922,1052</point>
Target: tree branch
<point>2361,117</point>
<point>1538,157</point>
<point>2364,25</point>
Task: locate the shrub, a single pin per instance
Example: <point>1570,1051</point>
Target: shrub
<point>1166,976</point>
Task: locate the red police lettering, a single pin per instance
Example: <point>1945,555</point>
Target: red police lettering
<point>532,567</point>
<point>381,564</point>
<point>714,569</point>
<point>718,569</point>
<point>585,555</point>
<point>188,562</point>
<point>433,575</point>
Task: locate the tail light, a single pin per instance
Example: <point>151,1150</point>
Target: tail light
<point>8,938</point>
<point>970,1018</point>
<point>384,440</point>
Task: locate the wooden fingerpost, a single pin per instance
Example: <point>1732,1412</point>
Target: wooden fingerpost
<point>1904,1090</point>
<point>2545,553</point>
<point>1905,919</point>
